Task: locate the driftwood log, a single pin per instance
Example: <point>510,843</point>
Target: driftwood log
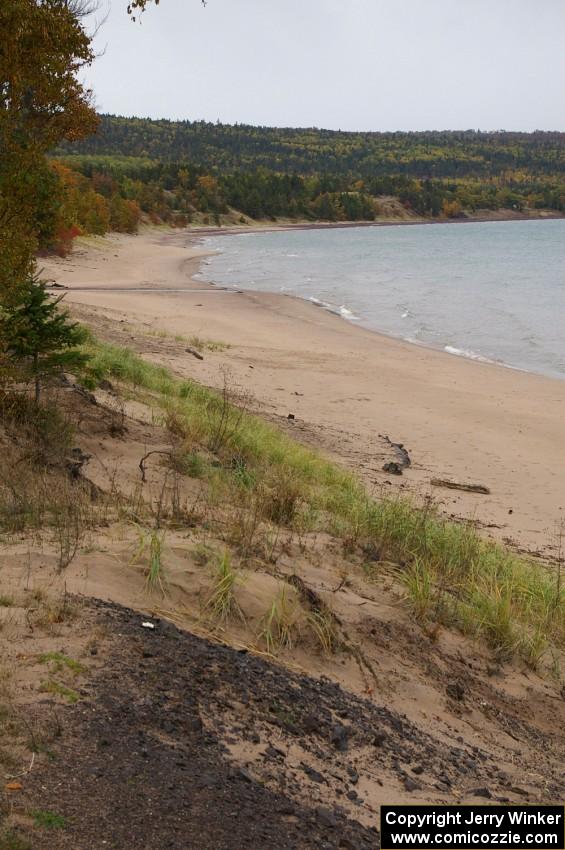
<point>455,485</point>
<point>402,461</point>
<point>194,353</point>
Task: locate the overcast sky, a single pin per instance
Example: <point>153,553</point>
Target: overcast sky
<point>340,64</point>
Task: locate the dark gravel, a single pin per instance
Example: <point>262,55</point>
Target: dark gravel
<point>143,760</point>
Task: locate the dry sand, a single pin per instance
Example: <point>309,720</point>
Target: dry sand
<point>461,420</point>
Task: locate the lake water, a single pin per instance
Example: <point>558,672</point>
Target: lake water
<point>490,291</point>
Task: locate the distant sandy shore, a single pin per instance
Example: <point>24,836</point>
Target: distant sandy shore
<point>464,421</point>
<point>410,220</point>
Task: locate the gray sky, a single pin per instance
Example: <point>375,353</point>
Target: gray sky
<point>341,64</point>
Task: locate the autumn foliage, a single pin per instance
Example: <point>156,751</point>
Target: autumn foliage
<point>42,103</point>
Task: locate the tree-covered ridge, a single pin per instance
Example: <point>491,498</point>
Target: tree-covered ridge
<point>183,172</point>
<point>225,148</point>
<point>105,192</point>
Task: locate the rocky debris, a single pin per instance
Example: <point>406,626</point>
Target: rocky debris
<point>163,752</point>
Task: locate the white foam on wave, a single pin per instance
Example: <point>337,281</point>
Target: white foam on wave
<point>466,352</point>
<point>342,311</point>
<point>472,355</point>
<point>348,314</point>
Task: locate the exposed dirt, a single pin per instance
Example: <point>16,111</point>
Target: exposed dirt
<point>182,743</point>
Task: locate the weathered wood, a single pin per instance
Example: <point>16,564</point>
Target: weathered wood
<point>194,353</point>
<point>403,460</point>
<point>456,485</point>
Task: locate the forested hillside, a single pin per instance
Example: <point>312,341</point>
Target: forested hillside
<point>183,172</point>
<point>226,148</point>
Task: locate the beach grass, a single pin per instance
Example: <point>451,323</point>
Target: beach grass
<point>450,574</point>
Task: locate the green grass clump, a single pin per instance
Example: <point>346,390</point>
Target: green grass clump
<point>48,820</point>
<point>202,344</point>
<point>57,689</point>
<point>451,574</point>
<point>152,543</point>
<point>279,623</point>
<point>222,603</point>
<point>59,661</point>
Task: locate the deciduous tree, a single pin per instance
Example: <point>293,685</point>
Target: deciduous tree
<point>42,48</point>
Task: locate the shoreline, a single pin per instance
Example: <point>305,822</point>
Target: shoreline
<point>345,385</point>
<point>358,321</point>
<point>274,227</point>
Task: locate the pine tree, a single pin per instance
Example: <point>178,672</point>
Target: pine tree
<point>38,337</point>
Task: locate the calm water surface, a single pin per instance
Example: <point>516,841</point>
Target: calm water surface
<point>492,291</point>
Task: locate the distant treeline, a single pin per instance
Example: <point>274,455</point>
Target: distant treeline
<point>223,148</point>
<point>174,172</point>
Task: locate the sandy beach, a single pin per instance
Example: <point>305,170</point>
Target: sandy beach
<point>346,387</point>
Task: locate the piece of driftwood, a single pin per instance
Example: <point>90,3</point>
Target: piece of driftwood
<point>393,468</point>
<point>403,460</point>
<point>456,485</point>
<point>194,353</point>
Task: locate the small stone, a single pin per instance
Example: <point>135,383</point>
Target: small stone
<point>312,774</point>
<point>455,691</point>
<point>273,752</point>
<point>517,790</point>
<point>411,784</point>
<point>326,818</point>
<point>481,792</point>
<point>244,774</point>
<point>339,737</point>
<point>311,723</point>
<point>195,724</point>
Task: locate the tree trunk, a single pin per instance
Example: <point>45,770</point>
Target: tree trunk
<point>37,381</point>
